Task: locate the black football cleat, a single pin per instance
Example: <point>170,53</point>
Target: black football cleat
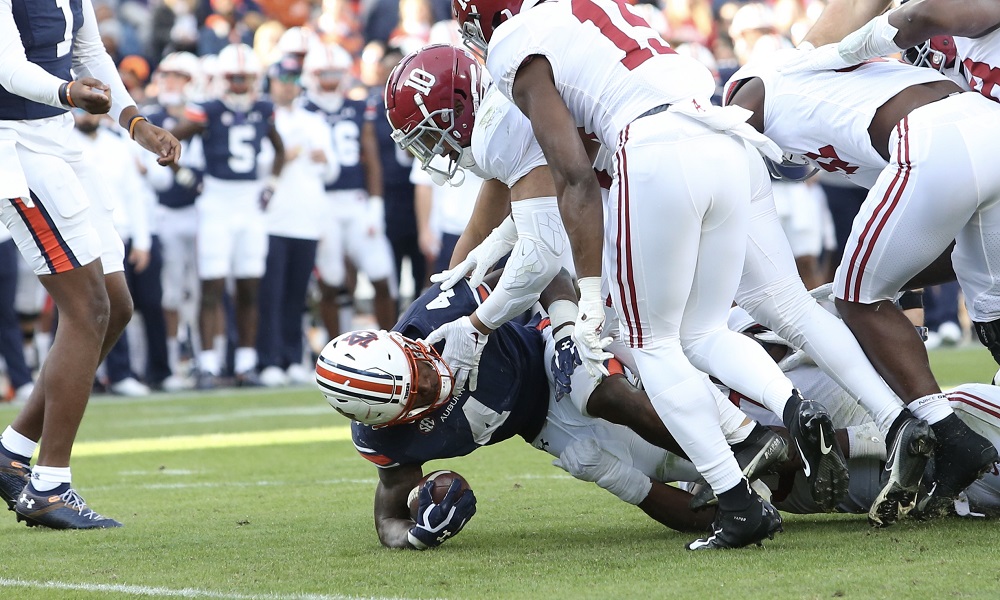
<point>961,456</point>
<point>741,528</point>
<point>909,452</point>
<point>757,455</point>
<point>823,462</point>
<point>14,475</point>
<point>59,511</point>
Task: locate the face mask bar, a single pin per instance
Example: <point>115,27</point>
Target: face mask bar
<point>428,131</point>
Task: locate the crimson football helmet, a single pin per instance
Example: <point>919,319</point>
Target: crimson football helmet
<point>431,100</point>
<point>937,53</point>
<point>477,19</point>
<point>371,377</point>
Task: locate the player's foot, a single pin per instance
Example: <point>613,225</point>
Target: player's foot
<point>909,450</point>
<point>823,463</point>
<point>203,380</point>
<point>741,528</point>
<point>961,456</point>
<point>756,455</point>
<point>248,379</point>
<point>14,475</point>
<point>61,508</point>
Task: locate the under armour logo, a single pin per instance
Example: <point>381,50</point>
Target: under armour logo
<point>565,345</point>
<point>444,535</point>
<point>29,502</point>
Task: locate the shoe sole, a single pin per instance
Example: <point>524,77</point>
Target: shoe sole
<point>899,494</point>
<point>829,480</point>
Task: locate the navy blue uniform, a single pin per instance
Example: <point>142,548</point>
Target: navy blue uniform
<point>345,127</point>
<point>47,30</point>
<point>511,399</point>
<point>176,196</point>
<point>232,138</point>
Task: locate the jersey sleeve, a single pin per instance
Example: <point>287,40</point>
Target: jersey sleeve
<point>17,74</point>
<point>511,48</point>
<point>196,113</point>
<point>90,59</point>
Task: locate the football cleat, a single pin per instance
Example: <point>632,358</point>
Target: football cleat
<point>742,528</point>
<point>203,380</point>
<point>14,475</point>
<point>757,455</point>
<point>248,379</point>
<point>961,456</point>
<point>908,456</point>
<point>59,511</point>
<point>823,462</point>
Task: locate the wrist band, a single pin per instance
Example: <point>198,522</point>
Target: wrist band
<point>132,123</point>
<point>64,95</point>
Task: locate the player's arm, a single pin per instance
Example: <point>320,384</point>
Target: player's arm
<point>279,149</point>
<point>20,76</point>
<point>492,207</point>
<point>194,122</point>
<point>535,94</point>
<point>841,17</point>
<point>371,159</point>
<point>392,514</point>
<point>669,505</point>
<point>920,21</point>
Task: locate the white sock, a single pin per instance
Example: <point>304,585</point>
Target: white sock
<point>866,441</point>
<point>931,408</point>
<point>44,479</point>
<point>735,425</point>
<point>173,354</point>
<point>245,359</point>
<point>16,443</point>
<point>208,362</point>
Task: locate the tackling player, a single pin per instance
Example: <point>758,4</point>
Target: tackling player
<point>232,238</point>
<point>65,233</point>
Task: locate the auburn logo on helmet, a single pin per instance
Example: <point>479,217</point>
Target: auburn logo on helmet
<point>362,338</point>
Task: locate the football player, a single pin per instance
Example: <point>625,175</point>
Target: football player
<point>398,392</point>
<point>65,233</point>
<point>354,221</point>
<point>894,129</point>
<point>232,239</point>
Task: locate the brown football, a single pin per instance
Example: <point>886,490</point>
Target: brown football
<point>442,481</point>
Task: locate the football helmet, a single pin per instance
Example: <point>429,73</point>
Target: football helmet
<point>240,69</point>
<point>477,19</point>
<point>431,100</point>
<point>937,53</point>
<point>173,70</point>
<point>326,69</point>
<point>371,377</point>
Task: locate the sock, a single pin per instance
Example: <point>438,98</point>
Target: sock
<point>173,354</point>
<point>776,394</point>
<point>46,479</point>
<point>932,408</point>
<point>208,362</point>
<point>737,498</point>
<point>245,359</point>
<point>866,441</point>
<point>754,432</point>
<point>16,444</point>
<point>746,431</point>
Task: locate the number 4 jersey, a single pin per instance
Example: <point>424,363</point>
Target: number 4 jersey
<point>511,398</point>
<point>232,138</point>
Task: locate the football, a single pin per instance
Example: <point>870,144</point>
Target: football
<point>442,481</point>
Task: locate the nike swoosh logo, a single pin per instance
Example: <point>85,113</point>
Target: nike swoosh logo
<point>824,448</point>
<point>805,463</point>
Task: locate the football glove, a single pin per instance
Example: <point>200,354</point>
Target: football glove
<point>438,522</point>
<point>564,362</point>
<point>267,193</point>
<point>482,258</point>
<point>463,347</point>
<point>589,324</point>
<point>586,460</point>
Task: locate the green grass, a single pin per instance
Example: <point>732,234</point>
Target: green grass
<point>265,497</point>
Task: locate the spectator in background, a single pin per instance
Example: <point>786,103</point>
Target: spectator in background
<point>339,24</point>
<point>294,225</point>
<point>134,71</point>
<point>414,27</point>
<point>174,28</point>
<point>290,13</point>
<point>443,210</point>
<point>688,21</point>
<point>223,27</point>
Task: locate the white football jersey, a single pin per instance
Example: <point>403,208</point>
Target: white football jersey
<point>980,63</point>
<point>825,115</point>
<point>503,143</point>
<point>608,64</point>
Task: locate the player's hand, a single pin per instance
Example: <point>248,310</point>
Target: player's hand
<point>564,362</point>
<point>375,216</point>
<point>91,95</point>
<point>159,141</point>
<point>824,58</point>
<point>139,259</point>
<point>463,347</point>
<point>481,259</point>
<point>587,336</point>
<point>438,522</point>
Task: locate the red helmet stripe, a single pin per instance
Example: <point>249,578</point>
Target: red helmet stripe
<point>390,389</point>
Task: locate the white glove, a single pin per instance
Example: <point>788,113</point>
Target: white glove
<point>463,347</point>
<point>824,58</point>
<point>589,324</point>
<point>496,245</point>
<point>873,40</point>
<point>585,460</point>
<point>375,216</point>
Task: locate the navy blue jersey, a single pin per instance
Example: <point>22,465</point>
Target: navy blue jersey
<point>176,196</point>
<point>47,29</point>
<point>232,138</point>
<point>345,127</point>
<point>400,215</point>
<point>512,396</point>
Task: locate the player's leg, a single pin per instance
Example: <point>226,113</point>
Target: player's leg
<point>330,257</point>
<point>249,261</point>
<point>372,255</point>
<point>300,267</point>
<point>215,243</point>
<point>271,304</point>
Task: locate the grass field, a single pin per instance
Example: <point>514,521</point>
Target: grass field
<point>261,495</point>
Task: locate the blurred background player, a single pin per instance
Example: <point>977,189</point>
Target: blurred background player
<point>294,227</point>
<point>354,221</point>
<point>232,238</point>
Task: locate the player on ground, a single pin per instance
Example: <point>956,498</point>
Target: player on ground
<point>355,223</point>
<point>894,129</point>
<point>232,239</point>
<point>66,234</point>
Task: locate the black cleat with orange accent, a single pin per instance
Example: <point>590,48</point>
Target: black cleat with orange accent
<point>14,475</point>
<point>61,508</point>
